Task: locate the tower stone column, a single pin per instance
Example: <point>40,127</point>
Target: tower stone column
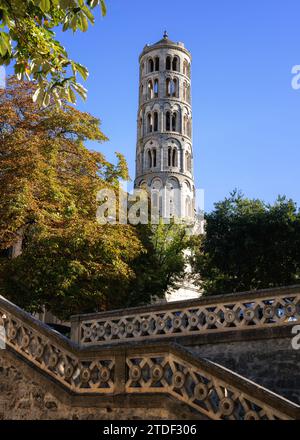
<point>164,153</point>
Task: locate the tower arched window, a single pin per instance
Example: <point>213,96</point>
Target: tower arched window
<point>174,122</point>
<point>155,121</point>
<point>189,128</point>
<point>175,64</point>
<point>141,127</point>
<point>154,158</point>
<point>173,88</point>
<point>188,161</point>
<point>169,156</point>
<point>168,87</point>
<point>168,63</point>
<point>185,125</point>
<point>149,123</point>
<point>185,91</point>
<point>156,62</point>
<point>150,65</point>
<point>156,88</point>
<point>188,93</point>
<point>150,89</point>
<point>168,121</point>
<point>149,159</point>
<point>174,157</point>
<point>185,68</point>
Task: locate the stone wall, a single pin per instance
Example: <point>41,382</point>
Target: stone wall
<point>26,395</point>
<point>270,362</point>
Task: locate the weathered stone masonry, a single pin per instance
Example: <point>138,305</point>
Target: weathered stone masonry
<point>44,375</point>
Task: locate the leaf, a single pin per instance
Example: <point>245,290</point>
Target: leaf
<point>36,94</point>
<point>88,13</point>
<point>103,8</point>
<point>82,70</point>
<point>45,5</point>
<point>5,45</point>
<point>84,23</point>
<point>72,96</point>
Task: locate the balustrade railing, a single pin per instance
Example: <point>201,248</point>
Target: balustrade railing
<point>145,368</point>
<point>261,309</point>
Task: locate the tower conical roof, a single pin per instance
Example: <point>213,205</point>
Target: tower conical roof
<point>164,40</point>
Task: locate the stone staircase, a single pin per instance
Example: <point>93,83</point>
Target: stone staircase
<point>171,358</point>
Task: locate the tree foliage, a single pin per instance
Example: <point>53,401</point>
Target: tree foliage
<point>81,269</point>
<point>48,186</point>
<point>163,263</point>
<point>49,181</point>
<point>48,176</point>
<point>28,40</point>
<point>249,245</point>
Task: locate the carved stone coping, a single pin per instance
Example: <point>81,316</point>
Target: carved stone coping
<point>245,311</point>
<point>140,369</point>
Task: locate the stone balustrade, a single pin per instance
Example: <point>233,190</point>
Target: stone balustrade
<point>244,311</point>
<point>134,369</point>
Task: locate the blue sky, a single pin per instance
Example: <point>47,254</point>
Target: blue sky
<point>246,115</point>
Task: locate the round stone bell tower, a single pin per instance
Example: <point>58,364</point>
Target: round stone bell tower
<point>164,153</point>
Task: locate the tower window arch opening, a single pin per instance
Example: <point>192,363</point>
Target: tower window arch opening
<point>173,88</point>
<point>169,156</point>
<point>168,87</point>
<point>156,62</point>
<point>174,122</point>
<point>175,64</point>
<point>188,93</point>
<point>174,157</point>
<point>150,65</point>
<point>155,122</point>
<point>142,91</point>
<point>156,88</point>
<point>168,63</point>
<point>168,121</point>
<point>150,89</point>
<point>154,158</point>
<point>185,124</point>
<point>149,159</point>
<point>149,123</point>
<point>185,90</point>
<point>141,127</point>
<point>189,128</point>
<point>188,161</point>
<point>185,69</point>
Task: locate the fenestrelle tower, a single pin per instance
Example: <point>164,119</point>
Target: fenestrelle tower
<point>164,154</point>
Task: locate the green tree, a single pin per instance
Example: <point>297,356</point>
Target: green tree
<point>81,269</point>
<point>162,264</point>
<point>48,186</point>
<point>248,245</point>
<point>28,40</point>
<point>49,181</point>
